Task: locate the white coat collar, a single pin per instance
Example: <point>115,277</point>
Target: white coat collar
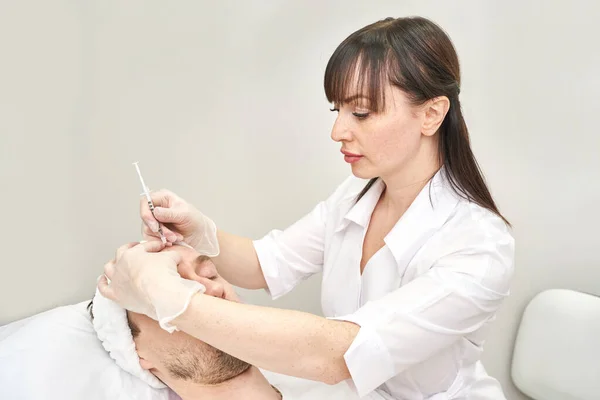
<point>428,212</point>
<point>360,213</point>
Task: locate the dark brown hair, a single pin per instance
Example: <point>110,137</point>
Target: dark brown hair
<point>418,57</point>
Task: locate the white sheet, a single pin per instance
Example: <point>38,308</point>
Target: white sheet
<point>56,355</point>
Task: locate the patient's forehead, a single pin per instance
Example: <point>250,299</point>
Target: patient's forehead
<point>184,251</point>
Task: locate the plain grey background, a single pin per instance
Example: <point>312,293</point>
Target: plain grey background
<point>222,102</point>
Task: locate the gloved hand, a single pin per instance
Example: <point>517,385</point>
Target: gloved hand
<point>144,281</point>
<point>184,222</point>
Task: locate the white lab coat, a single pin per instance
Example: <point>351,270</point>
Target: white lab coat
<point>424,300</point>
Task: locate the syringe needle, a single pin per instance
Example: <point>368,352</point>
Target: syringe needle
<point>146,192</point>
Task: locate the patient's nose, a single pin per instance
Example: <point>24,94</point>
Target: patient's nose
<point>215,289</point>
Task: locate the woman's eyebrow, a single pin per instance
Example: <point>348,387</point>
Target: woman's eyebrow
<point>355,97</point>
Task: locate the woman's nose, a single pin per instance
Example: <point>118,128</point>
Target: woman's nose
<point>340,131</point>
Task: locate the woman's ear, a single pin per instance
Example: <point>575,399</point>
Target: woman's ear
<point>435,112</point>
<point>145,364</point>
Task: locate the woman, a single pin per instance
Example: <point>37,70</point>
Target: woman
<point>415,263</point>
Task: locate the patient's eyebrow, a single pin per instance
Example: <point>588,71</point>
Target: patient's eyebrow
<point>135,330</point>
<point>201,259</point>
<point>201,262</point>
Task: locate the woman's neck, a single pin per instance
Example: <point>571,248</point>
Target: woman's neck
<point>403,185</point>
<point>402,188</point>
<point>250,385</point>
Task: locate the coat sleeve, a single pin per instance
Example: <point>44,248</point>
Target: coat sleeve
<point>289,256</point>
<point>459,294</point>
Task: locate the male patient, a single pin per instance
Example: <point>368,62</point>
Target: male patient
<point>188,366</point>
<point>60,354</point>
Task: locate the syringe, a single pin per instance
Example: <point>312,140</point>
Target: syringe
<point>146,192</point>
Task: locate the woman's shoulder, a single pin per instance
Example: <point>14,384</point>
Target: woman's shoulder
<point>471,226</point>
<point>475,217</point>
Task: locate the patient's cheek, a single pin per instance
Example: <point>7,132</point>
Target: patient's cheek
<point>140,348</point>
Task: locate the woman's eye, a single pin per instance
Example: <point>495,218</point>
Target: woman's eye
<point>359,115</point>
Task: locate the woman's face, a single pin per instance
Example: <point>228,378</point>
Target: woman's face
<point>378,144</point>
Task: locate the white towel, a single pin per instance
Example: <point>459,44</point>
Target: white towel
<point>110,323</point>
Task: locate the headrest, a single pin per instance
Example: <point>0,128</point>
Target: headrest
<point>557,350</point>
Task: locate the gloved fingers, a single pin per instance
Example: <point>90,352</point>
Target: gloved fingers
<point>170,215</point>
<point>150,227</point>
<point>155,238</point>
<point>174,256</point>
<point>109,269</point>
<point>104,288</point>
<point>152,246</point>
<point>147,216</point>
<point>124,248</point>
<point>209,244</point>
<point>149,234</point>
<point>171,235</point>
<point>161,198</point>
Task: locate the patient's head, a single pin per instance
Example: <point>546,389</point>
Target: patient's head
<point>177,356</point>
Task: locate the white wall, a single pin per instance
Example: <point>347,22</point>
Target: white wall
<point>223,103</point>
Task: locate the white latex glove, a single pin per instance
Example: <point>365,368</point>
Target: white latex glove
<point>144,281</point>
<point>183,222</point>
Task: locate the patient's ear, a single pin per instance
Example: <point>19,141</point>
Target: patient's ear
<point>146,364</point>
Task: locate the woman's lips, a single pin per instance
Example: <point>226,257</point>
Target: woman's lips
<point>351,157</point>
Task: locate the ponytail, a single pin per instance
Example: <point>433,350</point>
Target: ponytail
<point>462,170</point>
<point>461,167</point>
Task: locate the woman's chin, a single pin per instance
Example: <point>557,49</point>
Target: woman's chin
<point>362,172</point>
